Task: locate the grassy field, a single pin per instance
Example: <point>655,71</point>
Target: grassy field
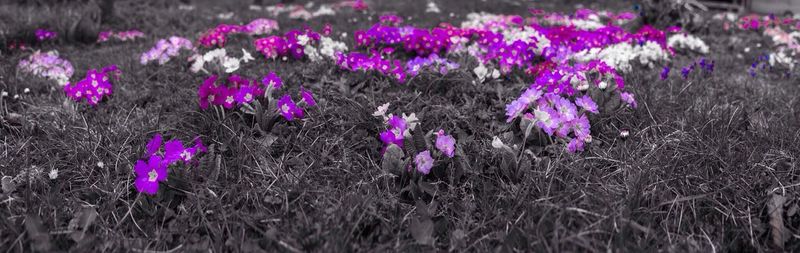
<point>705,158</point>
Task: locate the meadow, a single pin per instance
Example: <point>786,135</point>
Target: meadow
<point>386,126</point>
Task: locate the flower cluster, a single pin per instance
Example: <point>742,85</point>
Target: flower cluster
<point>356,61</point>
<point>165,49</point>
<point>293,43</point>
<point>48,65</point>
<point>44,34</point>
<point>291,110</point>
<point>94,86</point>
<point>689,42</point>
<point>218,36</point>
<point>238,90</point>
<point>121,36</point>
<point>704,65</point>
<point>219,57</point>
<point>154,167</point>
<point>621,55</point>
<point>434,62</point>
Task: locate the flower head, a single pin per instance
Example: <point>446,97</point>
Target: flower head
<point>424,162</point>
<point>308,97</point>
<point>149,174</point>
<point>587,104</point>
<point>445,143</point>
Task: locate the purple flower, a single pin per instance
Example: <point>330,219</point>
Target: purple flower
<point>289,109</point>
<point>665,73</point>
<point>628,98</point>
<point>685,72</point>
<point>445,143</point>
<point>272,80</point>
<point>153,145</point>
<point>566,109</point>
<point>575,145</point>
<point>172,151</point>
<point>245,94</point>
<point>308,97</point>
<point>149,173</point>
<point>587,104</point>
<point>424,162</point>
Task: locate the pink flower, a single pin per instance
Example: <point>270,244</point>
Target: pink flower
<point>424,162</point>
<point>445,143</point>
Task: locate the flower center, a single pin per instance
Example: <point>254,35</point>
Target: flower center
<point>229,100</point>
<point>185,155</point>
<point>152,176</point>
<point>248,97</point>
<point>285,108</point>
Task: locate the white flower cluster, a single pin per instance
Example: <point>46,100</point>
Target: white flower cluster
<point>621,55</point>
<point>432,8</point>
<point>327,49</point>
<point>484,20</point>
<point>688,41</point>
<point>221,59</point>
<point>482,73</point>
<point>782,58</point>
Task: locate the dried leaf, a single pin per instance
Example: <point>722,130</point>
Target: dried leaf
<point>777,228</point>
<point>40,238</point>
<point>392,161</point>
<point>422,230</point>
<point>81,222</point>
<point>8,184</point>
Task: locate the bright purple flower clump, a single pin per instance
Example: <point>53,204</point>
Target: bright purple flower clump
<point>44,34</point>
<point>237,90</point>
<point>150,173</point>
<point>94,86</point>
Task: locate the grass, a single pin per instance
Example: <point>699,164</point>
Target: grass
<point>697,172</point>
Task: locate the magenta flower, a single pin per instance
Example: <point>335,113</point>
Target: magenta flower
<point>272,80</point>
<point>172,151</point>
<point>245,94</point>
<point>424,162</point>
<point>587,104</point>
<point>445,143</point>
<point>308,97</point>
<point>153,145</point>
<point>44,34</point>
<point>289,109</point>
<point>149,174</point>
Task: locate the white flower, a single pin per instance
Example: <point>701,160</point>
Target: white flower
<point>432,8</point>
<point>381,111</point>
<point>480,72</point>
<point>199,61</point>
<point>246,56</point>
<point>688,41</point>
<point>53,174</point>
<point>230,64</point>
<point>302,39</point>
